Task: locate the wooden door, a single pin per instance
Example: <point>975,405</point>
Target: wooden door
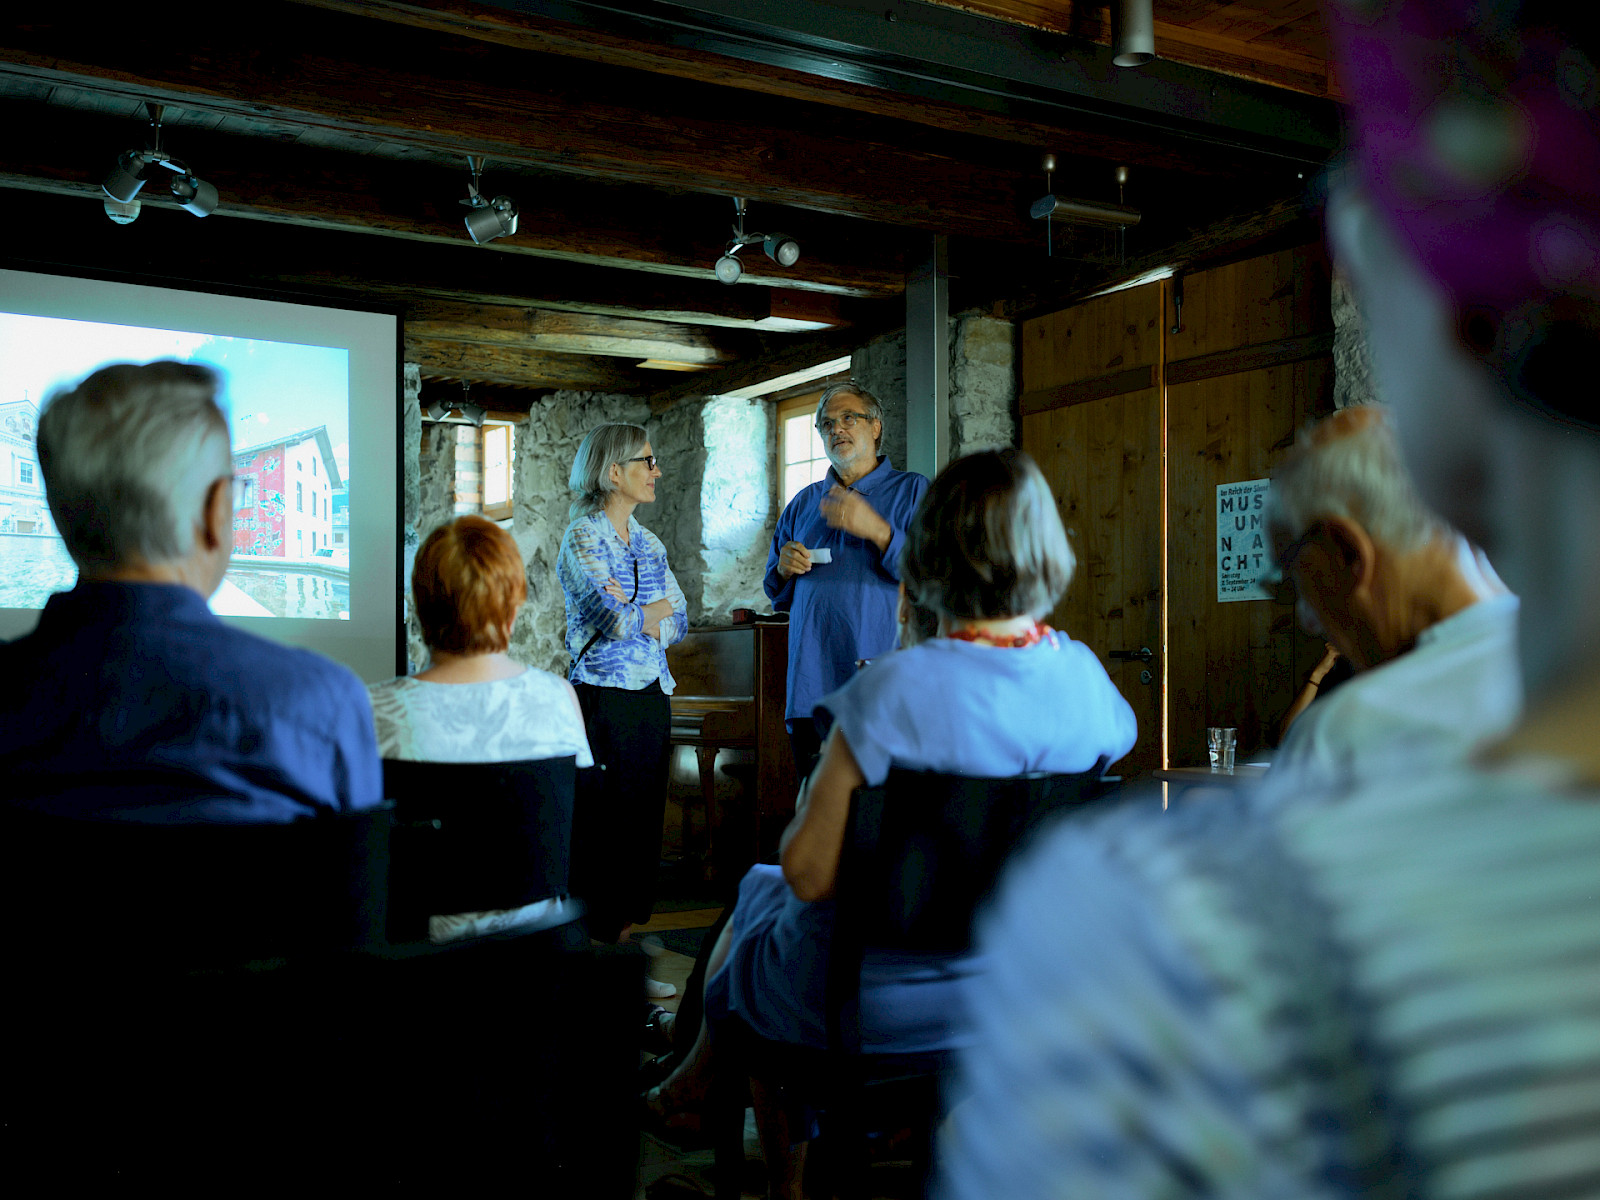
<point>1091,418</point>
<point>1247,370</point>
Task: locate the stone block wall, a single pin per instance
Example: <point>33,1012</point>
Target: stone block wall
<point>738,505</point>
<point>1352,363</point>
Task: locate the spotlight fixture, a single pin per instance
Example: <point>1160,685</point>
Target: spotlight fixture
<point>779,247</point>
<point>127,178</point>
<point>487,219</point>
<point>470,414</point>
<point>1133,32</point>
<point>437,410</point>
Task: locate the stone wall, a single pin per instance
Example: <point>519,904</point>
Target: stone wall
<point>738,505</point>
<point>983,385</point>
<point>1352,363</point>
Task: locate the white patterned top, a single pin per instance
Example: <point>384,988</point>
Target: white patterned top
<point>529,716</point>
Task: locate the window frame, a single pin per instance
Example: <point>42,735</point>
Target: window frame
<point>784,411</point>
<point>499,510</point>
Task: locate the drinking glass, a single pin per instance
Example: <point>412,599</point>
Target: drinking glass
<point>1220,743</point>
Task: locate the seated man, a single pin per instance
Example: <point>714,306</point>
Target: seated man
<point>131,700</point>
<point>1431,634</point>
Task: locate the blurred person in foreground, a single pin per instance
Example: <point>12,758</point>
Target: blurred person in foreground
<point>1402,597</point>
<point>995,693</point>
<point>131,700</point>
<point>1387,990</point>
<point>474,704</point>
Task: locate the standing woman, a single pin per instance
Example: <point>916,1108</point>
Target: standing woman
<point>624,609</point>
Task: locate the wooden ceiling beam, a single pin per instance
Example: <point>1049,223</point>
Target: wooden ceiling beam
<point>515,367</point>
<point>785,360</point>
<point>63,151</point>
<point>572,333</point>
<point>613,43</point>
<point>328,71</point>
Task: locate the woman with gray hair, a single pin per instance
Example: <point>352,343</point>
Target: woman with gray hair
<point>624,608</point>
<point>987,553</point>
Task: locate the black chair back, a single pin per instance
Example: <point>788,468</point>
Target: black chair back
<point>476,836</point>
<point>922,852</point>
<point>196,893</point>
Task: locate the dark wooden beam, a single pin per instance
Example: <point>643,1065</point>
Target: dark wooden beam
<point>1240,235</point>
<point>327,71</point>
<point>64,151</point>
<point>572,333</point>
<point>168,244</point>
<point>1010,85</point>
<point>515,367</point>
<point>798,356</point>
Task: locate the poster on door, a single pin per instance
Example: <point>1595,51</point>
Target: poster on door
<point>1243,554</point>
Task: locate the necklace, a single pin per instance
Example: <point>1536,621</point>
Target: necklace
<point>1031,636</point>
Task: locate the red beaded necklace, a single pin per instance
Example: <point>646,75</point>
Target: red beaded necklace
<point>1013,641</point>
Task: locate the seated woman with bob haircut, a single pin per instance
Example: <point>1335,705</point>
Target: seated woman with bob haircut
<point>474,703</point>
<point>994,693</point>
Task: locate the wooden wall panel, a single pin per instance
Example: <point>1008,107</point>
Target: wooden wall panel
<point>1239,663</point>
<point>1103,336</point>
<point>1260,300</point>
<point>1103,461</point>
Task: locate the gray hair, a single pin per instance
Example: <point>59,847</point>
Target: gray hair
<point>128,457</point>
<point>602,446</point>
<point>1349,465</point>
<point>874,409</point>
<point>987,541</point>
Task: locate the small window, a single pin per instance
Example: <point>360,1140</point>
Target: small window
<point>299,498</point>
<point>313,466</point>
<point>25,473</point>
<point>298,465</point>
<point>497,443</point>
<point>801,457</point>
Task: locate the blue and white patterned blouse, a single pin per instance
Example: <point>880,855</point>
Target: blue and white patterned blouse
<point>624,656</point>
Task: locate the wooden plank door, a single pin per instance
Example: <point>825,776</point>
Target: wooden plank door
<point>1091,418</point>
<point>1249,367</point>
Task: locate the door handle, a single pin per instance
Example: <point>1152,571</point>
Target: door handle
<point>1142,654</point>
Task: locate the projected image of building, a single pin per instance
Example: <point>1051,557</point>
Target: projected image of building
<point>23,508</point>
<point>284,492</point>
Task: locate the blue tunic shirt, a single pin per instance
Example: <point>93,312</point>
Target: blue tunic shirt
<point>843,610</point>
<point>132,701</point>
<point>624,656</point>
<point>947,706</point>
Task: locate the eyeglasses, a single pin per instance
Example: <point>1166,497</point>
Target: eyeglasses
<point>845,420</point>
<point>648,459</point>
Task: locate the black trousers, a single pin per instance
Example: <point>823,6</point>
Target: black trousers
<point>616,821</point>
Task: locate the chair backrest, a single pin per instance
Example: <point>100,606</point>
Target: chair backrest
<point>922,852</point>
<point>476,836</point>
<point>195,894</point>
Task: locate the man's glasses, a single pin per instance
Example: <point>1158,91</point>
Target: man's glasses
<point>648,459</point>
<point>845,420</point>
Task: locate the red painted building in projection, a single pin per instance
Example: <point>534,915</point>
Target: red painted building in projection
<point>284,495</point>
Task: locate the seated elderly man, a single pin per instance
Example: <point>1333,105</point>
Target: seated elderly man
<point>1400,595</point>
<point>131,700</point>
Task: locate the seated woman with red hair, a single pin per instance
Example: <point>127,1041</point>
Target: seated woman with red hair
<point>474,703</point>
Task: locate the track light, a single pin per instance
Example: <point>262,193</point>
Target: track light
<point>437,410</point>
<point>779,247</point>
<point>132,171</point>
<point>473,413</point>
<point>487,219</point>
<point>729,268</point>
<point>1133,32</point>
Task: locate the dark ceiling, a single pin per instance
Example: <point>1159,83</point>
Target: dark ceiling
<point>337,133</point>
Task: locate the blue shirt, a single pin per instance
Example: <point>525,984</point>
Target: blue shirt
<point>843,610</point>
<point>133,701</point>
<point>624,656</point>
